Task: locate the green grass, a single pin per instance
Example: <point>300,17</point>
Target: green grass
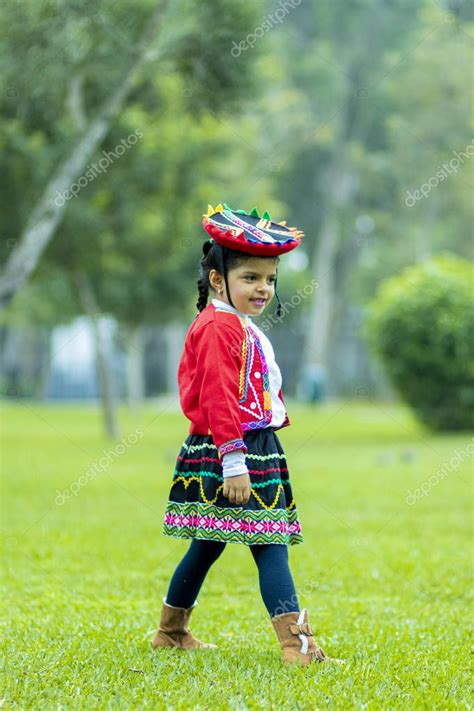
<point>386,583</point>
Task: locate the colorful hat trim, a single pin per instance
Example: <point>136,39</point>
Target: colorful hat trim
<point>250,232</point>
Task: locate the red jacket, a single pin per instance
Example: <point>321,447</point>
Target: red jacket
<point>223,379</point>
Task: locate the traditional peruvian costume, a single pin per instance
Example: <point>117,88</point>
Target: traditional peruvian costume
<point>230,390</point>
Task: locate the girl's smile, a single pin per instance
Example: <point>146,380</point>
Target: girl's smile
<point>259,302</point>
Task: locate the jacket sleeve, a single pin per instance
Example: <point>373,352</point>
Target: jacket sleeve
<point>218,349</point>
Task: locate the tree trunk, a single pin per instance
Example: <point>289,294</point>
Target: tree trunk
<point>47,213</point>
<point>44,358</point>
<point>103,367</point>
<point>135,373</point>
<point>322,307</point>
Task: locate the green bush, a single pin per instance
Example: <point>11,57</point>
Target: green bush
<point>421,326</point>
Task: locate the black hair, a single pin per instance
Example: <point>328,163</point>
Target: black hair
<point>217,257</point>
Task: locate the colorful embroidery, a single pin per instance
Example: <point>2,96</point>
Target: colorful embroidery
<point>242,378</point>
<point>257,485</point>
<point>238,229</point>
<point>251,341</point>
<point>187,480</point>
<point>187,477</point>
<point>195,447</point>
<point>260,457</point>
<point>209,522</point>
<point>231,445</point>
<point>258,234</point>
<point>185,460</point>
<point>197,507</point>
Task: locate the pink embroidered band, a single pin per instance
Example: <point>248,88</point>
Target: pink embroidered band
<point>231,445</point>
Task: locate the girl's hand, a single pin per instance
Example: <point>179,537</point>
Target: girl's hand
<point>237,489</point>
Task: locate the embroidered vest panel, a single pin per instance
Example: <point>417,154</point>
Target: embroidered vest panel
<point>254,383</point>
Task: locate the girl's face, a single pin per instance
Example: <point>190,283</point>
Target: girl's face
<point>251,284</point>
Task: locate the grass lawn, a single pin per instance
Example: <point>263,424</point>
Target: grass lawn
<point>386,581</point>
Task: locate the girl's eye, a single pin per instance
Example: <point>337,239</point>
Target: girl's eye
<point>272,280</point>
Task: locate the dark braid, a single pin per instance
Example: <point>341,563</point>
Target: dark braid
<point>217,257</point>
<point>203,280</point>
<point>203,290</point>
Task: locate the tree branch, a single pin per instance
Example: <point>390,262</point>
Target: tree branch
<point>47,214</point>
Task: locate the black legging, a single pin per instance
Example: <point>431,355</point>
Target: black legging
<point>276,583</point>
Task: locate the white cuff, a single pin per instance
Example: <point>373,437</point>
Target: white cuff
<point>233,464</point>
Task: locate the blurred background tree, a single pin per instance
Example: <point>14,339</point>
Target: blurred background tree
<point>120,240</point>
<point>331,118</point>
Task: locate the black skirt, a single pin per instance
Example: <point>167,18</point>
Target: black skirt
<point>197,508</point>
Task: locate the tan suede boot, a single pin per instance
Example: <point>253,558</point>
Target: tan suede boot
<point>296,639</point>
<point>173,630</point>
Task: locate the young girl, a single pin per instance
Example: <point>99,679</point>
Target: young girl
<point>231,482</point>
